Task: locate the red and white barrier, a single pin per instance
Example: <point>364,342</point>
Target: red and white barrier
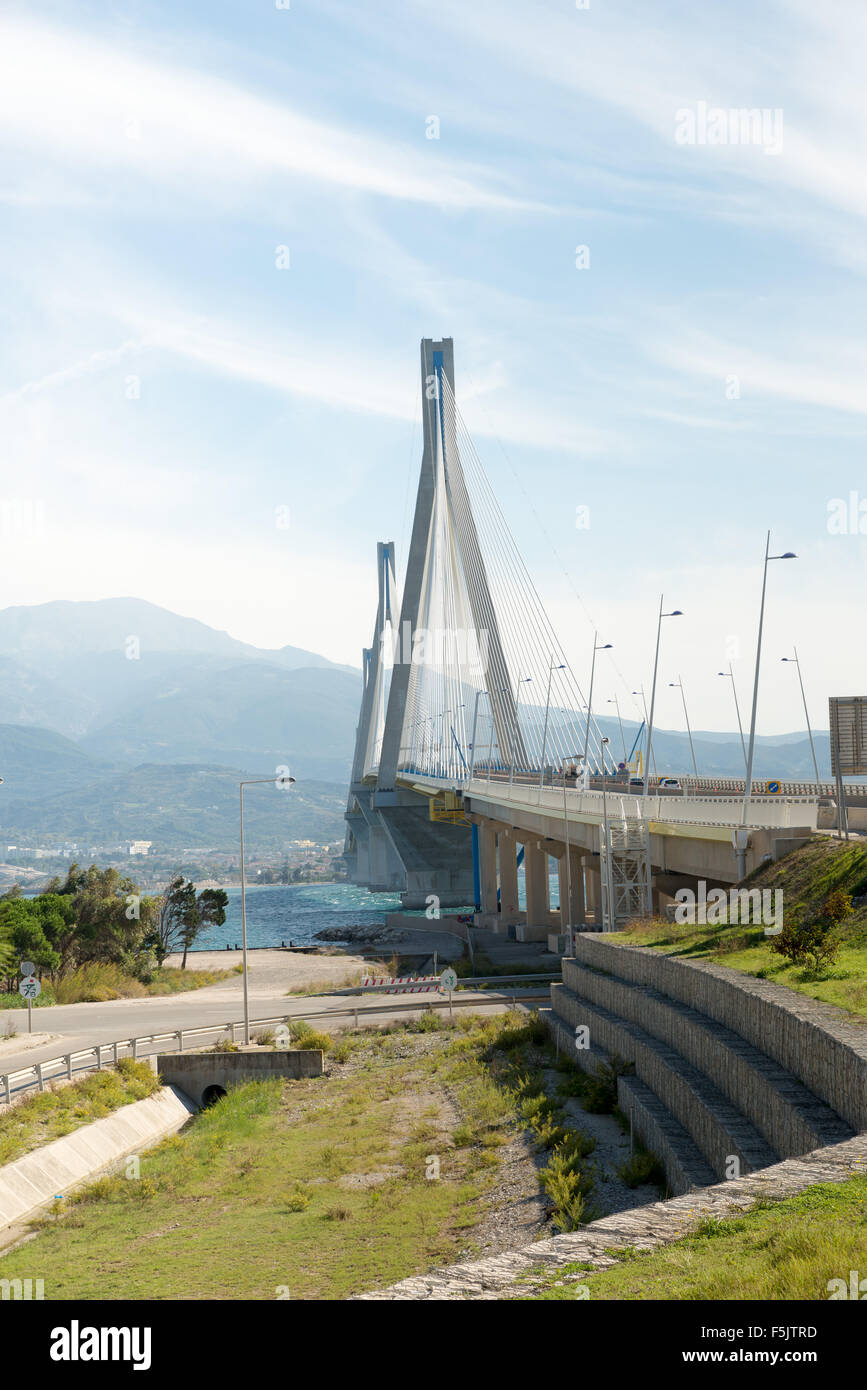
<point>404,984</point>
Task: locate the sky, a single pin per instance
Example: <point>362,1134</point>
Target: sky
<point>226,226</point>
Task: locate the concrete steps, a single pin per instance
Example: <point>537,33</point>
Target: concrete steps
<point>719,1129</point>
<point>711,1103</point>
<point>685,1166</point>
<point>790,1118</point>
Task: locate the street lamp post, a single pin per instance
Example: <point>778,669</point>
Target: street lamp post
<point>551,671</point>
<point>604,648</point>
<point>678,685</point>
<point>729,675</point>
<point>675,613</point>
<point>616,705</point>
<point>251,782</point>
<point>609,878</point>
<point>788,555</point>
<point>806,711</point>
<point>640,692</point>
<point>522,680</point>
<point>479,693</point>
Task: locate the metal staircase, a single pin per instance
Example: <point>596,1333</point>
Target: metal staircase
<point>624,861</point>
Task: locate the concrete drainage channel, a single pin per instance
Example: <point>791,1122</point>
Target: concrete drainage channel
<point>206,1076</point>
<point>191,1082</point>
<point>32,1183</point>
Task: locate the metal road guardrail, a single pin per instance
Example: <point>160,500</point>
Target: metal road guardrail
<point>777,812</point>
<point>64,1067</point>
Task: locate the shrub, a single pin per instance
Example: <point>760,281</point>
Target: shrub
<point>815,943</point>
<point>600,1089</point>
<point>299,1200</point>
<point>642,1167</point>
<point>337,1213</point>
<point>304,1036</point>
<point>429,1022</point>
<point>96,983</point>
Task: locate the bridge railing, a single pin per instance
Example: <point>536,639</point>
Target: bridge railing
<point>769,812</point>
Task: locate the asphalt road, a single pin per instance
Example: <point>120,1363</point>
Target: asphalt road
<point>84,1025</point>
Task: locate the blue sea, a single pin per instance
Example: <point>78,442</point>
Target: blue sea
<point>278,914</point>
<point>297,912</point>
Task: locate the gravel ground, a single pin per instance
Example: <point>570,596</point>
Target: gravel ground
<point>516,1211</point>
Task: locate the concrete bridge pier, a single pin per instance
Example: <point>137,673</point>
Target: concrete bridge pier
<point>507,845</point>
<point>488,867</point>
<point>571,912</point>
<point>436,855</point>
<point>379,867</point>
<point>538,923</point>
<point>593,890</point>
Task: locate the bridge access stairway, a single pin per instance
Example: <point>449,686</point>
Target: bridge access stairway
<point>693,1046</point>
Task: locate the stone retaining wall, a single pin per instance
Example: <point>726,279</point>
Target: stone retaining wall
<point>816,1042</point>
<point>790,1117</point>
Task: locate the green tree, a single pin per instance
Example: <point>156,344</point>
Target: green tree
<point>210,912</point>
<point>182,917</point>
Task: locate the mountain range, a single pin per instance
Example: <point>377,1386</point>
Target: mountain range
<point>120,720</point>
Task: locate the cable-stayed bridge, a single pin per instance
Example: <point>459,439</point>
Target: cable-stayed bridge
<point>472,721</point>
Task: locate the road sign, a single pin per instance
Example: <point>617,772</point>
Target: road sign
<point>30,988</point>
<point>848,734</point>
<point>621,767</point>
<point>27,967</point>
<point>449,980</point>
<point>773,788</point>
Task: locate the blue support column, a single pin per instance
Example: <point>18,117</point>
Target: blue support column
<point>477,877</point>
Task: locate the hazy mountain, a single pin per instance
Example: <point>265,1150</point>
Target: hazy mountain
<point>244,714</point>
<point>786,756</point>
<point>44,635</point>
<point>28,696</point>
<point>37,763</point>
<point>178,808</point>
<point>136,683</point>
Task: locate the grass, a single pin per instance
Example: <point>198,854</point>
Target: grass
<point>483,965</point>
<point>96,983</point>
<point>778,1251</point>
<point>52,1113</point>
<point>318,1187</point>
<point>746,949</point>
<point>806,877</point>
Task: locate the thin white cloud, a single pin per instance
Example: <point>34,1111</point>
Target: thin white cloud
<point>87,105</point>
<point>829,374</point>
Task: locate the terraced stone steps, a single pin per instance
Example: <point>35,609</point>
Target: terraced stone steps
<point>790,1118</point>
<point>725,1066</point>
<point>718,1128</point>
<point>685,1166</point>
